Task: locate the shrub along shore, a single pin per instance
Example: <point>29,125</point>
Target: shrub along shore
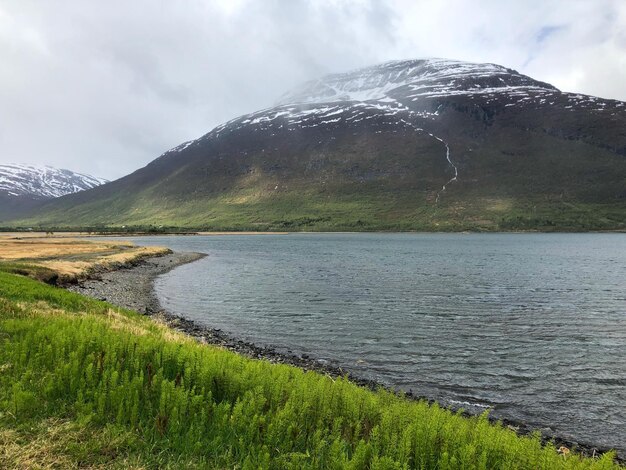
<point>87,384</point>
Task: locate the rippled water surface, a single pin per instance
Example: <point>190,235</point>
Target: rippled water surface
<point>532,326</point>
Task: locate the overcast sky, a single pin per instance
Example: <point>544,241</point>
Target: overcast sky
<point>104,87</point>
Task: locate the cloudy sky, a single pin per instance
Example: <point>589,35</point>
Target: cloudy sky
<point>104,87</point>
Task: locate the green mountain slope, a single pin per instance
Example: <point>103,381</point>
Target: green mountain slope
<point>373,150</point>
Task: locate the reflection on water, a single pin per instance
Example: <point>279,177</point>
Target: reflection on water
<point>532,326</point>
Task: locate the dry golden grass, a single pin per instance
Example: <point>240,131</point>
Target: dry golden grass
<point>119,321</point>
<point>104,261</point>
<point>72,258</point>
<point>40,309</point>
<point>116,320</point>
<point>46,447</point>
<point>41,248</point>
<point>17,452</point>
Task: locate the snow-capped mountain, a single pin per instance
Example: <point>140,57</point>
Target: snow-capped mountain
<point>412,79</point>
<point>425,144</point>
<point>420,81</point>
<point>416,94</point>
<point>43,182</point>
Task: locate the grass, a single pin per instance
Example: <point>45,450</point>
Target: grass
<point>512,179</point>
<point>62,260</point>
<point>301,212</point>
<point>85,384</point>
<point>351,209</point>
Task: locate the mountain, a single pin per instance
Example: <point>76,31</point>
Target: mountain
<point>427,144</point>
<point>26,187</point>
<point>43,182</point>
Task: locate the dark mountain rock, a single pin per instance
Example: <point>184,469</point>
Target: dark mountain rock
<point>428,144</point>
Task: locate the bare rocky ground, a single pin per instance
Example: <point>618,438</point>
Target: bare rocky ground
<point>132,287</point>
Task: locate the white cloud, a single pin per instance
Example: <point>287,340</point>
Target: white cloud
<point>105,87</point>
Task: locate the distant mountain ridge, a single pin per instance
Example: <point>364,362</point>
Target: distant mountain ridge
<point>43,181</point>
<point>425,144</point>
<point>25,186</point>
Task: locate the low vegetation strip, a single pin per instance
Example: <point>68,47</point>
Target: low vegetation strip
<point>63,260</point>
<point>85,384</point>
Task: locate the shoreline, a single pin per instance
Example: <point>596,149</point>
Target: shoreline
<point>11,233</point>
<point>132,286</point>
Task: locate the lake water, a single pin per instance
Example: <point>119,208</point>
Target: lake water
<point>531,326</point>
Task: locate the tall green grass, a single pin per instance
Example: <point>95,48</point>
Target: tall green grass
<point>138,392</point>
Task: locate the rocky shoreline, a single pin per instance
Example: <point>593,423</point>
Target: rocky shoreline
<point>132,286</point>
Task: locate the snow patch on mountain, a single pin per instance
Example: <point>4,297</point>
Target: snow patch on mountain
<point>412,78</point>
<point>402,91</point>
<point>43,182</point>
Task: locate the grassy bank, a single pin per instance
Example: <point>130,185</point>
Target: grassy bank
<point>62,260</point>
<point>85,384</point>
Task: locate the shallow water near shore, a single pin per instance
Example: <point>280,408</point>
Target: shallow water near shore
<point>530,326</point>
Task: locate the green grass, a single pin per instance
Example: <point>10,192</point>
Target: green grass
<point>85,384</point>
<point>310,212</point>
<point>40,273</point>
<point>513,179</point>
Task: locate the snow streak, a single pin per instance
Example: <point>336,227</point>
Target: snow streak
<point>456,171</point>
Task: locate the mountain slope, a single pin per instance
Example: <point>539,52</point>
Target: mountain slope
<point>25,187</point>
<point>421,144</point>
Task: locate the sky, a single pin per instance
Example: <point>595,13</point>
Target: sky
<point>105,87</point>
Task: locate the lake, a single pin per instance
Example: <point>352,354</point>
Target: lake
<point>529,326</point>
